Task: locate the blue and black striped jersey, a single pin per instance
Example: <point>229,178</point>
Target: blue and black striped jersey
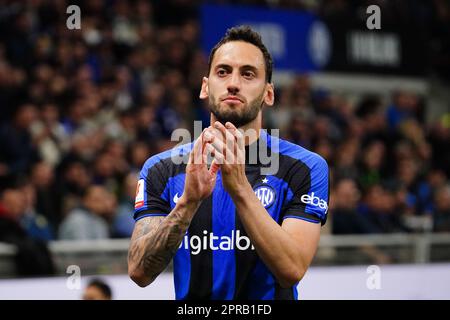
<point>216,259</point>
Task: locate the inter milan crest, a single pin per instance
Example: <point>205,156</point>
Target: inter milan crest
<point>266,194</point>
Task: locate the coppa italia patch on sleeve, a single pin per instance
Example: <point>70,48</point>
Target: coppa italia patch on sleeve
<point>139,202</point>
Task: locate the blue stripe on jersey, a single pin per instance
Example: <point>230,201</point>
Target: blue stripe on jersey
<point>174,187</point>
<point>261,285</point>
<point>182,270</point>
<point>317,165</point>
<point>223,224</point>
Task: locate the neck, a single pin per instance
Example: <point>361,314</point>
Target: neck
<point>253,126</point>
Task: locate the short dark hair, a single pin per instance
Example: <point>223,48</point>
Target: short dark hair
<point>102,286</point>
<point>246,34</point>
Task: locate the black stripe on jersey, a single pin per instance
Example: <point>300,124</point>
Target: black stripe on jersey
<point>283,293</point>
<point>156,180</point>
<point>245,263</point>
<point>157,177</point>
<point>245,260</point>
<point>290,167</point>
<point>201,277</point>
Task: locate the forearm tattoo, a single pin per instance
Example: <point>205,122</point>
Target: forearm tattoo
<point>155,242</point>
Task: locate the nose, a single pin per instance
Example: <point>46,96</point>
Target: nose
<point>234,85</point>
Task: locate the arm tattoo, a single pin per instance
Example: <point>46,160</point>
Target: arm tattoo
<point>142,227</point>
<point>155,242</point>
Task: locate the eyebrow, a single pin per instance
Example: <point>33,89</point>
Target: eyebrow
<point>244,67</point>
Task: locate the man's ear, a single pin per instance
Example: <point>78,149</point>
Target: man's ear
<point>204,91</point>
<point>269,99</point>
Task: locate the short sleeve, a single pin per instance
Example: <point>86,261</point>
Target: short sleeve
<point>150,197</point>
<point>308,192</point>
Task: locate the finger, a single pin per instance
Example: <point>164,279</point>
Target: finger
<point>230,125</point>
<point>232,130</point>
<point>226,153</point>
<point>209,148</point>
<point>197,152</point>
<point>239,138</point>
<point>217,137</point>
<point>216,140</point>
<point>219,158</point>
<point>224,130</point>
<point>230,141</point>
<point>214,168</point>
<point>240,142</point>
<point>205,154</point>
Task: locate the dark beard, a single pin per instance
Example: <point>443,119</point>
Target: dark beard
<point>238,119</point>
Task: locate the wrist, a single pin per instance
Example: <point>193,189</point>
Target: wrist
<point>188,206</point>
<point>242,192</point>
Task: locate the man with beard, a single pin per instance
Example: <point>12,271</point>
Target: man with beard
<point>233,230</point>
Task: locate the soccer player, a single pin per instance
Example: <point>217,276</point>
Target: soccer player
<point>232,231</point>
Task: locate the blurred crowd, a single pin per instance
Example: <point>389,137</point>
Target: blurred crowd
<point>389,168</point>
<point>81,111</point>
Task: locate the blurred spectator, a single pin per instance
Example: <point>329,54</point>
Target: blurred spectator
<point>74,179</point>
<point>18,149</point>
<point>442,212</point>
<point>32,257</point>
<point>374,127</point>
<point>138,154</point>
<point>123,128</point>
<point>371,167</point>
<point>346,218</point>
<point>97,289</point>
<point>405,106</point>
<point>47,195</point>
<point>35,224</point>
<point>378,207</point>
<point>439,138</point>
<point>345,159</point>
<point>104,172</point>
<point>91,219</point>
<point>49,135</point>
<point>123,223</point>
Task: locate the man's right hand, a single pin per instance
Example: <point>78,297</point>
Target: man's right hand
<point>200,181</point>
<point>155,240</point>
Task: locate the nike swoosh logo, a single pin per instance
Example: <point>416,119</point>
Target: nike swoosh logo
<point>175,198</point>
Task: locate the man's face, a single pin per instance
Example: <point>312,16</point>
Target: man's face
<point>99,201</point>
<point>236,87</point>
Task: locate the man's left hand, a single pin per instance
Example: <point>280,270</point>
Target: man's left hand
<point>227,146</point>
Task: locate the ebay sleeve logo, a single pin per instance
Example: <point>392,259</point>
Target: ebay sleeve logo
<point>314,201</point>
